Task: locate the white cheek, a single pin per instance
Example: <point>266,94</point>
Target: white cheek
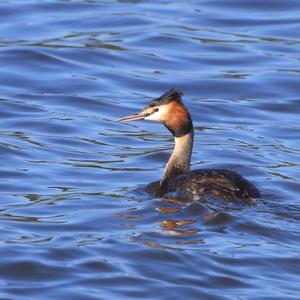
<point>153,117</point>
<point>158,116</point>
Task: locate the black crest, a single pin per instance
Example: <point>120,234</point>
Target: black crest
<point>167,97</point>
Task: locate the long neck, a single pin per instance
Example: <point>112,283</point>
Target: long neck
<point>179,162</point>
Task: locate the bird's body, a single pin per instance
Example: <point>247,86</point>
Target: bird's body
<point>198,184</point>
<point>177,178</point>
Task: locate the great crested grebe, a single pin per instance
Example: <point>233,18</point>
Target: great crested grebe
<point>177,178</point>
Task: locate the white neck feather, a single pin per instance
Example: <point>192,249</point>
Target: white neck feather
<point>179,162</point>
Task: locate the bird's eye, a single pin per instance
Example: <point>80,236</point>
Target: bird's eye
<point>155,109</point>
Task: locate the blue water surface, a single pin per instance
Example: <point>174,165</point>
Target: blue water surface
<point>75,219</point>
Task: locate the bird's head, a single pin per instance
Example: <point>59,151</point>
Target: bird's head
<point>169,110</point>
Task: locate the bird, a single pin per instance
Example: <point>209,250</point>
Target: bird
<point>177,179</point>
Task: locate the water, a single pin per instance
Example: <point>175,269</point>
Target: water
<point>76,222</point>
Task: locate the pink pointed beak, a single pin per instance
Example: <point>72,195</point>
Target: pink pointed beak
<point>133,117</point>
